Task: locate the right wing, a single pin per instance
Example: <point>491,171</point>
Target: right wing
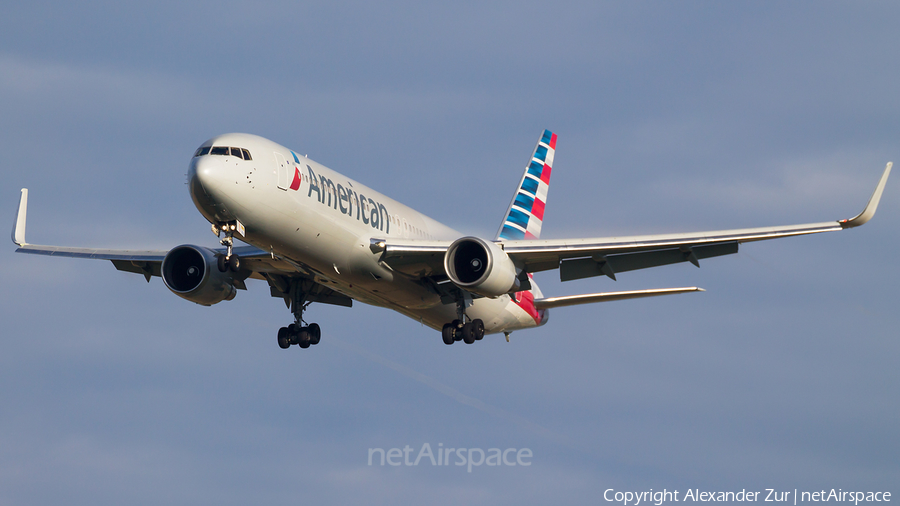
<point>278,271</point>
<point>144,262</point>
<point>581,258</point>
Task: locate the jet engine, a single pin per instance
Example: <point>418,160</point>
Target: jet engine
<point>480,267</point>
<point>191,273</point>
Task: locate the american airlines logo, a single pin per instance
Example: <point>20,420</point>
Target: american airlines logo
<point>344,199</point>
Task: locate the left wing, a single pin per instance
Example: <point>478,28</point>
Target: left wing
<point>581,258</point>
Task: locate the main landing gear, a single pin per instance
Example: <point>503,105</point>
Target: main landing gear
<point>230,261</point>
<point>297,333</point>
<point>460,329</point>
<point>468,332</point>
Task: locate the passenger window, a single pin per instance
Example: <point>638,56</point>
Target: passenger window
<point>219,150</point>
<point>246,154</point>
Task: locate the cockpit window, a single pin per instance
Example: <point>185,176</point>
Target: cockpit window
<point>223,150</point>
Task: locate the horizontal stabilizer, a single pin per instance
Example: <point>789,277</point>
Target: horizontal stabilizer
<point>590,298</point>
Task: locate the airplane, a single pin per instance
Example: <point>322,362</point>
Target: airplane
<point>316,236</point>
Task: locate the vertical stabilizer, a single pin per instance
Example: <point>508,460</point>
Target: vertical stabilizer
<point>526,211</point>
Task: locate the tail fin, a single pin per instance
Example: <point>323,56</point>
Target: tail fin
<point>526,211</point>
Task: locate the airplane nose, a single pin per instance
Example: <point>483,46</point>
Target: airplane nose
<point>207,173</point>
<point>205,181</point>
<point>203,171</point>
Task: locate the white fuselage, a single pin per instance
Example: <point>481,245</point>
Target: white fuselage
<point>323,221</point>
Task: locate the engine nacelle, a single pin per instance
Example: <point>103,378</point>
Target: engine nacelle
<point>480,267</point>
<point>191,273</point>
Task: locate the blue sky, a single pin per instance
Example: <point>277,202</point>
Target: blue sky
<point>671,117</point>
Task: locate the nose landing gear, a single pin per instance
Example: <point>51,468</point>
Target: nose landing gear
<point>230,261</point>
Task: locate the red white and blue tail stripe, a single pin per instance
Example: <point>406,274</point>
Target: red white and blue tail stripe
<point>526,211</point>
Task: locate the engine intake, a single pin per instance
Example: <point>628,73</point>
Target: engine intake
<point>191,273</point>
<point>480,267</point>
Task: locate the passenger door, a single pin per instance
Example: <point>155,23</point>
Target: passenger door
<point>281,166</point>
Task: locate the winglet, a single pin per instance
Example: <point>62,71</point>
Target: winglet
<point>869,211</point>
<point>18,233</point>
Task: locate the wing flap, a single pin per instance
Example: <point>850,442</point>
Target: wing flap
<point>609,265</point>
<point>147,269</point>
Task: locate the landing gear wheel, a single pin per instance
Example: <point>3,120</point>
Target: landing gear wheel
<point>315,333</point>
<point>303,338</point>
<point>284,341</point>
<point>457,332</point>
<point>293,333</point>
<point>447,333</point>
<point>234,263</point>
<point>478,329</point>
<point>222,263</point>
<point>468,332</point>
